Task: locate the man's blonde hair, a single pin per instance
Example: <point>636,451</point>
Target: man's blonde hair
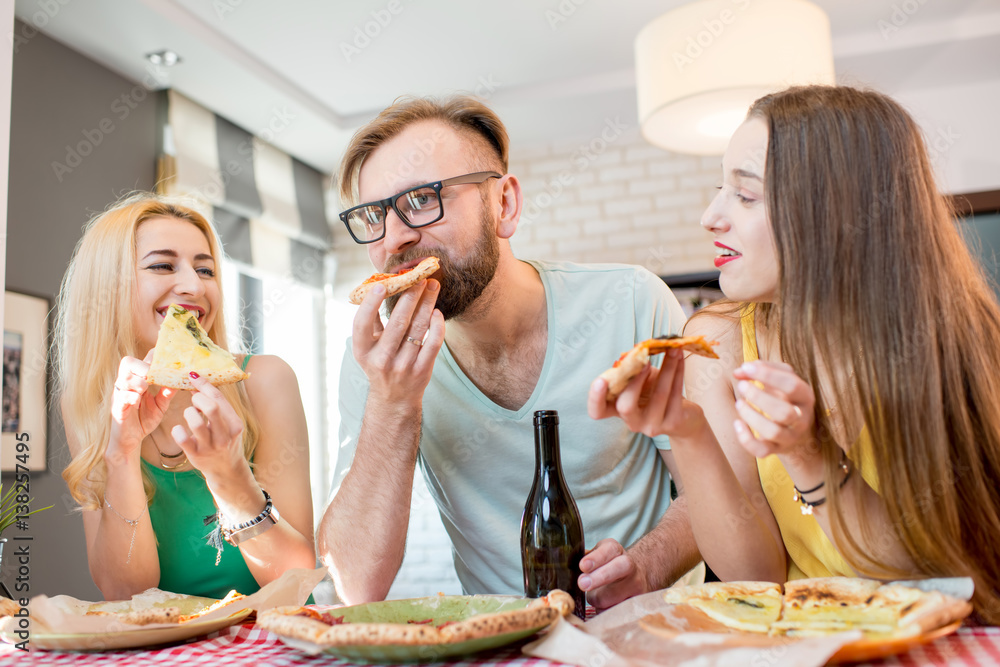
<point>465,114</point>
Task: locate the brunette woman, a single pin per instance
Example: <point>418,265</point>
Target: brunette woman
<point>859,348</point>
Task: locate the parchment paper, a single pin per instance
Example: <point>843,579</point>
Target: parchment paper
<point>67,615</point>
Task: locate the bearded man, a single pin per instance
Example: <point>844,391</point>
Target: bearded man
<point>452,378</point>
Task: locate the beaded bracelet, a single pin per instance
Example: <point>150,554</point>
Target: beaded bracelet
<point>806,506</point>
<point>254,527</point>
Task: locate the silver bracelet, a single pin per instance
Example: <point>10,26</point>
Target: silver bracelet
<point>254,527</point>
<point>134,523</point>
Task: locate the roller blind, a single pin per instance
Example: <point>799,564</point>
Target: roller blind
<point>268,207</point>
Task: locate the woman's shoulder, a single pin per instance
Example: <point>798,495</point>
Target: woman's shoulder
<point>267,370</point>
<point>272,388</point>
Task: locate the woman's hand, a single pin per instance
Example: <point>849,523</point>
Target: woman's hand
<point>775,407</point>
<point>652,402</point>
<point>135,411</point>
<point>213,439</point>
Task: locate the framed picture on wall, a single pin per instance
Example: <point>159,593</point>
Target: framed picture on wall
<point>25,332</point>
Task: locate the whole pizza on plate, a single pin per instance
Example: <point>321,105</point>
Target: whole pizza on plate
<point>416,630</point>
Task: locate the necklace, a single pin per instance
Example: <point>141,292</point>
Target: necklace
<point>169,457</point>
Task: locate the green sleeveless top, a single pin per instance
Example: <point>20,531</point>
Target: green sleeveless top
<point>187,562</point>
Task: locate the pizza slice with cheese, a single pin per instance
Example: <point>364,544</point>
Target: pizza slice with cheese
<point>231,598</point>
<point>183,347</point>
<point>823,606</point>
<point>752,606</point>
<point>632,362</point>
<point>835,604</point>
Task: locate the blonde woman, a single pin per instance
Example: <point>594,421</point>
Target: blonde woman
<point>156,471</point>
<point>852,425</point>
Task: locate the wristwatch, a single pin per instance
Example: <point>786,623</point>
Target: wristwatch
<point>255,526</point>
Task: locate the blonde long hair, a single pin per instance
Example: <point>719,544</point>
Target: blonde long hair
<point>94,330</point>
<point>875,280</point>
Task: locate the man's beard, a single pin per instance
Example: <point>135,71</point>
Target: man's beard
<point>464,281</point>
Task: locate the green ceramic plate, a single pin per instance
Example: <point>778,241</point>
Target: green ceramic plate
<point>440,609</point>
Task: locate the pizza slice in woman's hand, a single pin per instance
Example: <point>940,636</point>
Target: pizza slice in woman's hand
<point>632,362</point>
<point>182,348</point>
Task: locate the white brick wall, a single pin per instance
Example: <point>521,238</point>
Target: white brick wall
<point>632,203</point>
<point>629,202</point>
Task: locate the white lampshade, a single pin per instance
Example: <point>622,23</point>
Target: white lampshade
<point>700,66</point>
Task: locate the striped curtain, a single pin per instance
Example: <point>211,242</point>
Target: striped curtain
<point>268,207</point>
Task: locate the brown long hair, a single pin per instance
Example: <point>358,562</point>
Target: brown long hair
<point>94,331</point>
<point>877,285</point>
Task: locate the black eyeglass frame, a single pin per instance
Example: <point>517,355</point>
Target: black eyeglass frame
<point>475,177</point>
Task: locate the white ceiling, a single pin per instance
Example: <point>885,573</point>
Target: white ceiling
<point>553,69</point>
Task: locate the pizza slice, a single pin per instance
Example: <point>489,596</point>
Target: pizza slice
<point>632,362</point>
<point>752,606</point>
<point>232,597</point>
<point>835,604</point>
<point>823,606</point>
<point>396,282</point>
<point>183,347</point>
<point>143,616</point>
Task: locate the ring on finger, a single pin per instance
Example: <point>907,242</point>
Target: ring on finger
<point>415,341</point>
<point>798,415</point>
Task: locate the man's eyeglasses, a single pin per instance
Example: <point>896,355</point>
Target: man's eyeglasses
<point>417,207</point>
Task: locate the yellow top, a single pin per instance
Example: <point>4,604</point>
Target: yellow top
<point>810,551</point>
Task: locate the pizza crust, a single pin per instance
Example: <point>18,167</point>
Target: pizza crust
<point>285,621</point>
<point>143,616</point>
<point>397,283</point>
<point>633,361</point>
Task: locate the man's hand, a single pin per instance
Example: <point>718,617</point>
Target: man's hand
<point>611,575</point>
<point>398,357</point>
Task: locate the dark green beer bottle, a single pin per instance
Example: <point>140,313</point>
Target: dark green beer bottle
<point>551,528</point>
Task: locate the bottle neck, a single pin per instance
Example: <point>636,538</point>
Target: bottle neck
<point>547,446</point>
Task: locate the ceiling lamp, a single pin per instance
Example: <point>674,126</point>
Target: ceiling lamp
<point>700,66</point>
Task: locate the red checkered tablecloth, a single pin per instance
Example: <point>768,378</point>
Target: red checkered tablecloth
<point>250,645</point>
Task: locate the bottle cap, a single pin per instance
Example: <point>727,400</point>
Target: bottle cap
<point>546,417</point>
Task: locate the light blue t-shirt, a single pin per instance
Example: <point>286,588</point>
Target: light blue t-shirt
<point>479,458</point>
